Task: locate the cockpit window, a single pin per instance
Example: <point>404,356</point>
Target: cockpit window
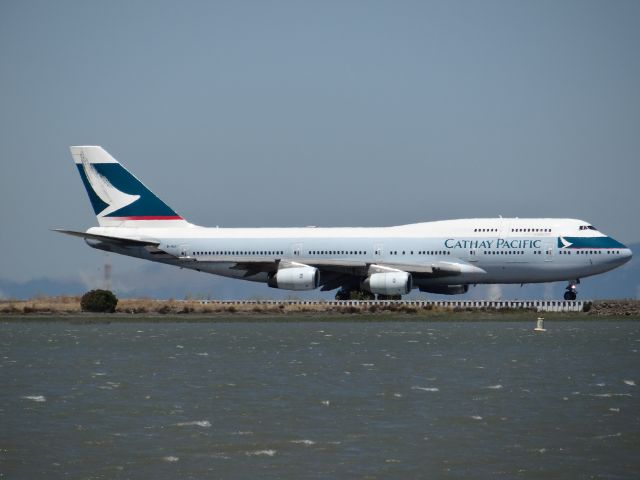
<point>587,227</point>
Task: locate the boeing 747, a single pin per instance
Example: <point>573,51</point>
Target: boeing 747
<point>442,257</point>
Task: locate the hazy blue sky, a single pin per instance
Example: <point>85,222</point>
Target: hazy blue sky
<point>266,113</point>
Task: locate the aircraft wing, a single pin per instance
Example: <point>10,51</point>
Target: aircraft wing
<point>358,268</point>
<point>335,273</point>
<point>440,268</point>
<point>437,268</point>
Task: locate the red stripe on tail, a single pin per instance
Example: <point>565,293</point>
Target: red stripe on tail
<point>149,217</point>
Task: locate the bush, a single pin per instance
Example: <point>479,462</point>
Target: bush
<point>164,309</point>
<point>99,301</point>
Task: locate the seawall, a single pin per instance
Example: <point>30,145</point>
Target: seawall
<point>71,305</point>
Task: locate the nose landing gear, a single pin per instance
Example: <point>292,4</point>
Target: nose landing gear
<point>571,293</point>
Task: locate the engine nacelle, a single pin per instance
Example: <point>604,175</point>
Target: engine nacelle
<point>389,283</point>
<point>445,289</point>
<point>295,278</point>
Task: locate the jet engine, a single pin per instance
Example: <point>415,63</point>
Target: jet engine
<point>389,283</point>
<point>295,278</point>
<point>445,289</point>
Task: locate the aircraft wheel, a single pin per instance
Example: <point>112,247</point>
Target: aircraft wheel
<point>389,297</point>
<point>569,295</point>
<point>343,294</point>
<point>364,295</point>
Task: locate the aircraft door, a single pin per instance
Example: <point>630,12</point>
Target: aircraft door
<point>503,230</point>
<point>296,250</point>
<point>547,246</point>
<point>378,251</point>
<point>184,250</point>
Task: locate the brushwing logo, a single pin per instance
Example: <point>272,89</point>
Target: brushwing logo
<point>104,190</point>
<point>563,243</point>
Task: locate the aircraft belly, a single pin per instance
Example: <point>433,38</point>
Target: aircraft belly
<point>538,273</point>
<point>227,269</point>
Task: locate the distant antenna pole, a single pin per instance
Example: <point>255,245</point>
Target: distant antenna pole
<point>107,273</point>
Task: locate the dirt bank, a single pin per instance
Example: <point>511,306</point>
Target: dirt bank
<point>71,305</point>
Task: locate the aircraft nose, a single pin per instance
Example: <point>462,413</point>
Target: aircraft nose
<point>624,254</point>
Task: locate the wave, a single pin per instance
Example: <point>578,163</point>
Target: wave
<point>426,389</point>
<point>35,398</point>
<point>610,395</point>
<point>304,442</point>
<point>196,423</point>
<point>256,453</point>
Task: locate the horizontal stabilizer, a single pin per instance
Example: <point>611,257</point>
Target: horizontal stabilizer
<point>125,242</point>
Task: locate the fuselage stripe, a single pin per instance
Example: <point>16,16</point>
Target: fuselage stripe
<point>148,217</point>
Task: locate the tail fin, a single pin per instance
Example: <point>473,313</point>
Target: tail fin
<point>118,198</point>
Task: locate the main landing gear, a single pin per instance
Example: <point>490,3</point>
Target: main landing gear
<point>571,293</point>
<point>348,294</point>
<point>343,294</point>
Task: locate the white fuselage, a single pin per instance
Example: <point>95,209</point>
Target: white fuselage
<point>495,250</point>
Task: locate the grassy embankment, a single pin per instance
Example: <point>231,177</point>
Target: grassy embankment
<point>68,308</point>
<point>68,305</point>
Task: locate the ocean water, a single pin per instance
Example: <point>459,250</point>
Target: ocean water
<point>320,400</point>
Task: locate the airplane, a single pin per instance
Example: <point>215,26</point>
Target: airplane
<point>440,257</point>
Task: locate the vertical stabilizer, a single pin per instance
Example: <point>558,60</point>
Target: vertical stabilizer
<point>118,198</point>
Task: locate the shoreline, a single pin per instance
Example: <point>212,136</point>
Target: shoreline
<point>67,309</point>
<point>461,317</point>
<point>161,311</point>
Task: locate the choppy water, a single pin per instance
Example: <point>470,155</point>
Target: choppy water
<point>320,400</point>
